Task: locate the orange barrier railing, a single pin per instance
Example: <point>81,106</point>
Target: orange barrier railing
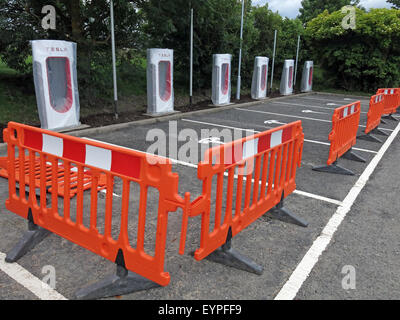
<point>376,110</point>
<point>343,137</point>
<point>264,167</point>
<point>392,100</point>
<point>48,176</point>
<point>374,118</point>
<point>40,147</point>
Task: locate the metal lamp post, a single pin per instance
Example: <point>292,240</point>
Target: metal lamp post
<point>240,55</point>
<point>114,59</point>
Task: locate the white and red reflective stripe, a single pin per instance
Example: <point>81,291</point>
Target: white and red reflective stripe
<point>53,145</point>
<point>98,157</point>
<point>84,153</point>
<point>378,98</point>
<point>349,110</point>
<point>252,147</point>
<point>387,91</point>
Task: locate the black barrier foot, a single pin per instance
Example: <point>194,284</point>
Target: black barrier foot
<point>228,256</point>
<point>350,155</point>
<point>380,132</point>
<point>30,239</point>
<point>281,210</point>
<point>118,284</point>
<point>390,117</point>
<point>335,169</point>
<point>370,138</point>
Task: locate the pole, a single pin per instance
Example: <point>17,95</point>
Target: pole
<point>273,59</point>
<point>240,55</point>
<point>191,57</point>
<point>297,59</point>
<point>114,60</point>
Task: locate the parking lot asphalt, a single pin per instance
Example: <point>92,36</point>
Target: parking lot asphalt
<point>367,238</point>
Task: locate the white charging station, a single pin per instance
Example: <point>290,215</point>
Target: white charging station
<point>221,79</point>
<point>307,78</point>
<point>260,78</point>
<point>56,85</point>
<point>287,78</point>
<point>160,85</point>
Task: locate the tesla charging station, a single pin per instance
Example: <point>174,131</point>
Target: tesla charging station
<point>56,85</point>
<point>287,78</point>
<point>221,79</point>
<point>307,78</point>
<point>260,78</point>
<point>160,88</point>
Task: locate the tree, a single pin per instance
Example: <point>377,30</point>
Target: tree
<point>365,58</point>
<point>216,30</point>
<point>396,3</point>
<point>266,22</point>
<point>85,22</point>
<point>312,8</point>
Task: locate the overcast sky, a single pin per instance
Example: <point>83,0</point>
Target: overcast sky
<point>290,8</point>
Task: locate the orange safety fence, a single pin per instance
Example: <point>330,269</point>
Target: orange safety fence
<point>131,167</point>
<point>61,176</point>
<point>343,137</point>
<point>376,110</point>
<point>392,100</point>
<point>264,165</point>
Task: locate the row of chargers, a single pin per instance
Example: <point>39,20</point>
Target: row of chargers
<point>56,85</point>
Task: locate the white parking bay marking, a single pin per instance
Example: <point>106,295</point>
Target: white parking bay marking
<point>39,288</point>
<point>291,288</point>
<point>311,111</point>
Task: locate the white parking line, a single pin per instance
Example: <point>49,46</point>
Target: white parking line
<point>284,115</point>
<point>40,289</point>
<point>291,288</point>
<point>306,105</point>
<point>314,196</point>
<point>220,125</point>
<point>328,144</point>
<point>254,131</point>
<point>298,117</point>
<point>338,99</point>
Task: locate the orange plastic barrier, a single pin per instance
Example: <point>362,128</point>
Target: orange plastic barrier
<point>374,119</point>
<point>392,100</point>
<point>60,180</point>
<point>129,166</point>
<point>343,137</point>
<point>264,165</point>
<point>376,110</point>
